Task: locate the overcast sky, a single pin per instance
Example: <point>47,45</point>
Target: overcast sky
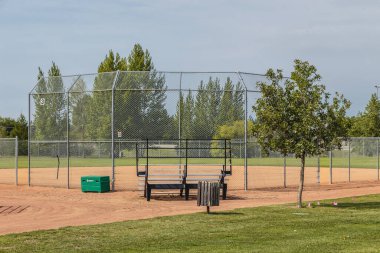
<point>342,38</point>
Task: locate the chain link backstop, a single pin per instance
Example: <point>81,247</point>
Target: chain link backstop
<point>90,125</point>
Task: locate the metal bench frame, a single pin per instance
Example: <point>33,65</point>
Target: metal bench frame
<point>185,182</point>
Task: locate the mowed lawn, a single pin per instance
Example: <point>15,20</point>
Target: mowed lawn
<point>51,162</point>
<point>352,226</point>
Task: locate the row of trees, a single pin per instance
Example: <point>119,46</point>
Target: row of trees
<point>367,123</point>
<point>140,109</point>
<point>10,128</point>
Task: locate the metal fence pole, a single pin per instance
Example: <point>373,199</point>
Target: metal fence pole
<point>284,171</point>
<point>377,150</point>
<point>331,175</point>
<point>29,135</point>
<point>68,140</point>
<point>318,170</point>
<point>16,158</point>
<point>180,122</point>
<point>349,161</point>
<point>245,132</point>
<point>113,129</point>
<point>245,142</point>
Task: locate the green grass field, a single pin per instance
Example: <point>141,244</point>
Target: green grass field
<point>46,162</point>
<point>352,226</point>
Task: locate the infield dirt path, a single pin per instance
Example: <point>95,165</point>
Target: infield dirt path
<point>34,208</point>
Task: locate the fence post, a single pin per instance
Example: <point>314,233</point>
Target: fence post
<point>330,154</point>
<point>68,140</point>
<point>245,142</point>
<point>284,171</point>
<point>113,128</point>
<point>318,170</point>
<point>349,160</point>
<point>179,123</point>
<point>16,158</point>
<point>377,150</point>
<point>29,135</point>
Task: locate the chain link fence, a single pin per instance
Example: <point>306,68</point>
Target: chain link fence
<point>9,160</point>
<point>90,125</point>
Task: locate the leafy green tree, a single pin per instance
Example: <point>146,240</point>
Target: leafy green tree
<point>298,117</point>
<point>10,128</point>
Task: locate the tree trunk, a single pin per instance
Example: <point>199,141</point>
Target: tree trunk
<point>302,177</point>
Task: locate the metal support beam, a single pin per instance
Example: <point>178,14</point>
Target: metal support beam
<point>349,161</point>
<point>245,133</point>
<point>29,135</point>
<point>331,175</point>
<point>16,159</point>
<point>284,171</point>
<point>318,170</point>
<point>377,151</point>
<point>68,140</point>
<point>113,130</point>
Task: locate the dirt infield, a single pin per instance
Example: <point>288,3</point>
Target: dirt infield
<point>26,208</point>
<point>126,179</point>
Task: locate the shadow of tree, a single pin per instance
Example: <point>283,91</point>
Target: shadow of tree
<point>350,205</point>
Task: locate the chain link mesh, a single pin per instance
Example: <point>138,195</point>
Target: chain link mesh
<point>8,160</point>
<point>91,124</point>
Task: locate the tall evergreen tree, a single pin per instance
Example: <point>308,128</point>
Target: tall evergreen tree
<point>140,60</point>
<point>202,128</point>
<point>238,102</point>
<point>226,112</point>
<point>153,115</point>
<point>50,106</point>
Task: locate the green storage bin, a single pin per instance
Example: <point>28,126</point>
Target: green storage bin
<point>95,183</point>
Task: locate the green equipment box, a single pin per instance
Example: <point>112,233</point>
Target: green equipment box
<point>95,183</point>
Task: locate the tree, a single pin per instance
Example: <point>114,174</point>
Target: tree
<point>50,103</point>
<point>112,62</point>
<point>10,128</point>
<point>299,117</point>
<point>226,111</point>
<point>138,60</point>
<point>368,123</point>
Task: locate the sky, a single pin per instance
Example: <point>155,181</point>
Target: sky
<point>340,37</point>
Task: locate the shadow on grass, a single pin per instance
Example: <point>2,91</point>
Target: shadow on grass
<point>177,197</point>
<point>350,205</point>
<point>225,213</point>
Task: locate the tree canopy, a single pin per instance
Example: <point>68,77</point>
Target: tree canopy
<point>299,117</point>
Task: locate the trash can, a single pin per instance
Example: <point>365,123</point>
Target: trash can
<point>95,183</point>
<point>208,194</point>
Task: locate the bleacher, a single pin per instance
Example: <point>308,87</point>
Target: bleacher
<point>163,165</point>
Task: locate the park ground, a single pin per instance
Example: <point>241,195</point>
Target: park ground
<point>125,221</point>
<point>263,219</point>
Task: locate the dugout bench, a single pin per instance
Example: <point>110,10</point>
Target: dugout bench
<point>185,174</point>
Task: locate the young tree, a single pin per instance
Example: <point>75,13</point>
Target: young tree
<point>298,117</point>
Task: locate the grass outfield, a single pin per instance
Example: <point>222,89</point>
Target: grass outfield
<point>45,162</point>
<point>352,226</point>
